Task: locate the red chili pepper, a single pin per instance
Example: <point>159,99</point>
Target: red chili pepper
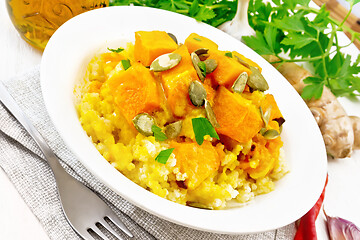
<point>306,229</point>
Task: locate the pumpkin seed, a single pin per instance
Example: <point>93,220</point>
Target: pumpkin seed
<point>199,205</point>
<point>173,37</point>
<point>271,134</point>
<point>195,61</point>
<point>265,116</point>
<point>143,123</point>
<point>211,115</point>
<point>173,129</point>
<point>197,93</point>
<point>240,82</point>
<point>202,53</point>
<point>211,65</point>
<point>262,131</point>
<point>165,62</point>
<point>242,62</point>
<point>256,80</point>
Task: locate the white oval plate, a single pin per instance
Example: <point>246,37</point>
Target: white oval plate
<point>64,63</point>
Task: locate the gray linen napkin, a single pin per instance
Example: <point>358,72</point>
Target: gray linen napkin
<point>23,163</point>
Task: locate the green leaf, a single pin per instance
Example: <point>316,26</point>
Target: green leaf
<point>205,14</point>
<point>345,67</point>
<point>276,2</point>
<point>293,23</point>
<point>194,8</point>
<point>203,127</point>
<point>303,2</point>
<point>298,40</point>
<point>158,134</point>
<point>202,67</point>
<point>164,155</point>
<point>118,50</point>
<point>258,44</point>
<point>229,54</point>
<point>270,34</point>
<point>321,20</point>
<point>353,1</point>
<point>167,5</point>
<point>314,88</point>
<point>126,64</point>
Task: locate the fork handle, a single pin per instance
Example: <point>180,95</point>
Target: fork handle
<point>10,104</point>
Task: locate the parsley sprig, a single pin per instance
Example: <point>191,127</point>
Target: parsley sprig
<point>290,28</point>
<point>213,12</point>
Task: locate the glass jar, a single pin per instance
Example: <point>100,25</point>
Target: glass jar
<point>37,20</point>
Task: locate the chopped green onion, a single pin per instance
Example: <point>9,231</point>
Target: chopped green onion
<point>116,50</point>
<point>203,127</point>
<point>126,64</point>
<point>158,134</point>
<point>202,67</point>
<point>229,54</point>
<point>164,155</point>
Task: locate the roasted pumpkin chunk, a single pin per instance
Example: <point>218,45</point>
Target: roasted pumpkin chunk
<point>197,161</point>
<point>176,82</point>
<point>266,153</point>
<point>150,45</point>
<point>247,60</point>
<point>176,91</point>
<point>228,68</point>
<point>135,91</point>
<point>195,41</point>
<point>238,118</point>
<point>269,102</point>
<point>184,65</point>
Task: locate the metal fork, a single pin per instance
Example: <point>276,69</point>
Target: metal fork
<point>83,209</point>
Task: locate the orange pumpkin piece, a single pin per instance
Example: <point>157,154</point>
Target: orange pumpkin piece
<point>135,91</point>
<point>177,93</point>
<point>247,60</point>
<point>184,65</point>
<point>238,118</point>
<point>227,70</point>
<point>267,154</point>
<point>176,82</point>
<point>197,161</point>
<point>150,45</point>
<point>195,41</point>
<point>269,101</point>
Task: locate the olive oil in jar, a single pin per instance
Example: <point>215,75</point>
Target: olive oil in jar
<point>37,20</point>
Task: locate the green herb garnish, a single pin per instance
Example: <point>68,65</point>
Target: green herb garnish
<point>164,155</point>
<point>203,127</point>
<point>126,64</point>
<point>116,50</point>
<point>229,54</point>
<point>197,39</point>
<point>308,35</point>
<point>211,12</point>
<point>202,67</point>
<point>158,134</point>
